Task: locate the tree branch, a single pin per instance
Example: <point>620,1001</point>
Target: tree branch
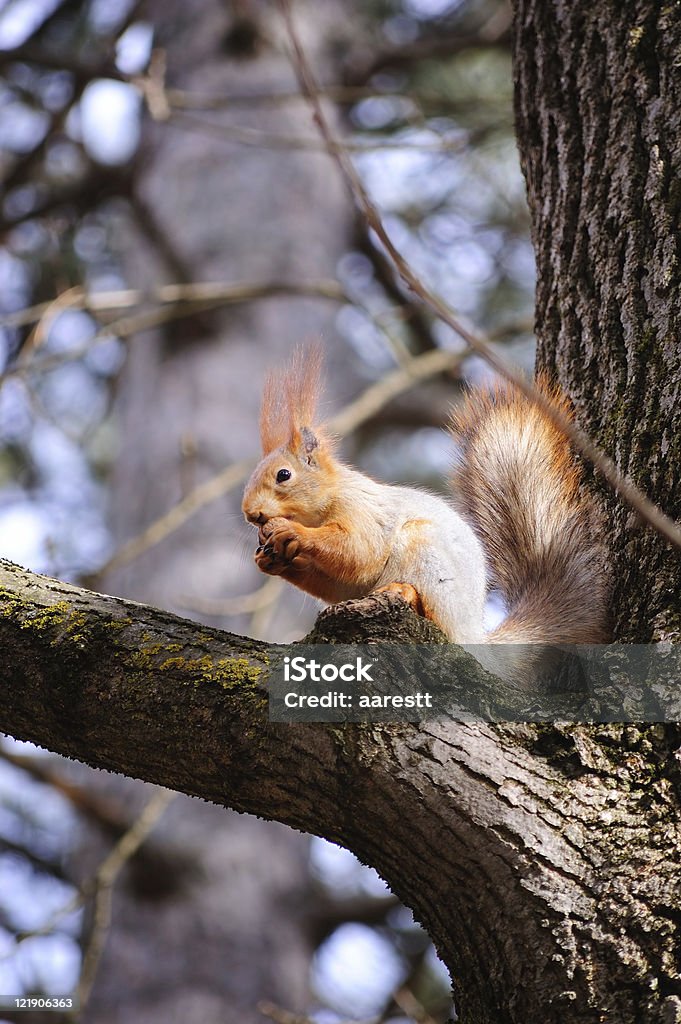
<point>492,834</point>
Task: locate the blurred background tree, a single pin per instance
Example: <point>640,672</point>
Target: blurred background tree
<point>171,227</point>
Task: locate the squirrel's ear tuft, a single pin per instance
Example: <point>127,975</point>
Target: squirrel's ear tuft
<point>274,419</point>
<point>290,400</point>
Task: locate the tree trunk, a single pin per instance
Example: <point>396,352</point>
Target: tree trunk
<point>542,861</point>
<point>598,112</point>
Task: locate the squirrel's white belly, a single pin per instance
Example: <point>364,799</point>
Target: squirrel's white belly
<point>436,551</point>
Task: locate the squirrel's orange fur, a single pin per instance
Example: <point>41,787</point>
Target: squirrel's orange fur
<point>521,520</point>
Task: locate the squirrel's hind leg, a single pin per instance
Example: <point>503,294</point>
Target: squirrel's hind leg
<point>407,592</point>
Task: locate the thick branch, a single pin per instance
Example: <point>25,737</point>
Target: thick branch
<point>502,839</point>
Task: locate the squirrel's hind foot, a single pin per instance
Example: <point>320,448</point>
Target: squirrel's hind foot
<point>407,593</point>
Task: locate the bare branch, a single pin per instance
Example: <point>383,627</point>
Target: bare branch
<point>218,292</point>
<point>245,604</point>
<point>31,53</point>
<point>426,101</point>
<point>100,886</point>
<point>48,865</point>
<point>407,376</point>
<point>177,301</point>
<point>103,883</point>
<point>246,136</point>
<point>162,527</point>
<point>181,99</point>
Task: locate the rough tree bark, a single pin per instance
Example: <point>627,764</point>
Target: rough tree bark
<point>598,114</point>
<point>543,861</point>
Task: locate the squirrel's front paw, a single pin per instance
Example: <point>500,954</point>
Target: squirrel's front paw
<point>279,546</point>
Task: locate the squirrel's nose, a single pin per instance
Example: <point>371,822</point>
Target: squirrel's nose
<point>257,518</point>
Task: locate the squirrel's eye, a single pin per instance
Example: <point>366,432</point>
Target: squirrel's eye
<point>282,475</point>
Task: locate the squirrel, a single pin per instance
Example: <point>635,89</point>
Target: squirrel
<point>519,520</point>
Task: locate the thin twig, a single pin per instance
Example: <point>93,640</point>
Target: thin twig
<point>153,86</point>
<point>162,527</point>
<point>405,999</point>
<point>495,32</point>
<point>153,90</point>
<point>196,292</point>
<point>46,865</point>
<point>105,813</point>
<point>200,297</point>
<point>109,868</point>
<point>41,329</point>
<point>375,397</point>
<point>245,604</point>
<point>246,136</point>
<point>181,99</point>
<point>425,101</point>
<point>104,881</point>
<point>178,300</point>
<point>621,484</point>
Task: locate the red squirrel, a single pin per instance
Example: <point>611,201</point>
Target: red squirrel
<point>519,521</point>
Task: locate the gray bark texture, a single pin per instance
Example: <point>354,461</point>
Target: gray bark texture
<point>598,118</point>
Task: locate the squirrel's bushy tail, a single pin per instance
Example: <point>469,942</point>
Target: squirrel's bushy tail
<point>518,485</point>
